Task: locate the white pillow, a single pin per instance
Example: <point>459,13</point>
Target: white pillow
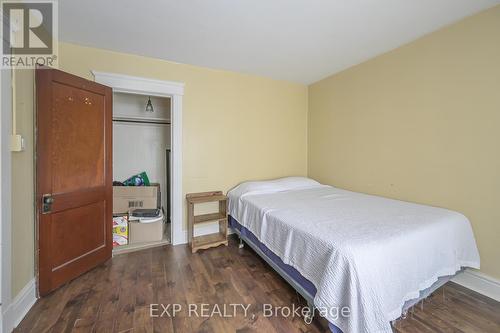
<point>271,186</point>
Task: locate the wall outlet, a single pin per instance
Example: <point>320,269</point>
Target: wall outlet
<point>17,143</point>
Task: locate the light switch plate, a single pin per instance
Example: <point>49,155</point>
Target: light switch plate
<point>17,143</point>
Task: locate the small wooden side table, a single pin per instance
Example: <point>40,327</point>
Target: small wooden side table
<point>211,240</point>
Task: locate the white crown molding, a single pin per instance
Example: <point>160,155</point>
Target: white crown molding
<point>19,307</point>
<point>479,282</point>
<point>139,85</point>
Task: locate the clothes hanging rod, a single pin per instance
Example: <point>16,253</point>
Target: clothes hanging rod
<point>142,121</point>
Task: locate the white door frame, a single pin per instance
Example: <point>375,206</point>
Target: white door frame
<point>5,198</point>
<point>174,90</point>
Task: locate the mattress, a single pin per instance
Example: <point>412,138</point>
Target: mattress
<point>370,253</point>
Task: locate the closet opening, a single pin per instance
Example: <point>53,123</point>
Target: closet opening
<point>142,155</point>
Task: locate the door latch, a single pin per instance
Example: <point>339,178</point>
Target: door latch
<point>47,201</point>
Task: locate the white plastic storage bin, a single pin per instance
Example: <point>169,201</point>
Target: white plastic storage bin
<point>146,230</point>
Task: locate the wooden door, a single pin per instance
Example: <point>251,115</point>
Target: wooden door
<point>74,176</point>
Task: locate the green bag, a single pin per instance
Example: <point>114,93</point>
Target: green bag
<point>141,179</point>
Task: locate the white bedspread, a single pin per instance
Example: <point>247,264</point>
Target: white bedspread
<point>366,252</point>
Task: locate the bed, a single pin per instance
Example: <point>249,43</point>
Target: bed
<point>341,249</point>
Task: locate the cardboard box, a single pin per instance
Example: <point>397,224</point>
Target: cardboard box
<point>120,230</point>
<point>146,232</point>
<point>126,198</point>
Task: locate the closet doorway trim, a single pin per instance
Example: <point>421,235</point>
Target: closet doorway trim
<point>175,90</point>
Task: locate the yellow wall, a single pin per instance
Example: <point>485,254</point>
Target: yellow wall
<point>236,127</point>
<point>421,123</point>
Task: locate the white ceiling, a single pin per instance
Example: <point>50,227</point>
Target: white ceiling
<point>295,40</point>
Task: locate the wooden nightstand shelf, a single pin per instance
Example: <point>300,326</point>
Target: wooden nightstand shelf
<point>211,240</point>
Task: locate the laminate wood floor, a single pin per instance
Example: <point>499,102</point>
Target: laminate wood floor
<point>116,297</point>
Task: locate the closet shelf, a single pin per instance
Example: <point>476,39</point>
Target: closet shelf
<point>141,120</point>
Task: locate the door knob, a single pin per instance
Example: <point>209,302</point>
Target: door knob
<point>47,201</point>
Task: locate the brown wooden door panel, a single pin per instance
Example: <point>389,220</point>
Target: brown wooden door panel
<point>63,201</point>
<point>74,166</point>
<point>78,120</point>
<point>78,231</point>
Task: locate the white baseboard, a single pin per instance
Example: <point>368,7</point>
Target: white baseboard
<point>204,229</point>
<point>479,282</point>
<point>19,307</point>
